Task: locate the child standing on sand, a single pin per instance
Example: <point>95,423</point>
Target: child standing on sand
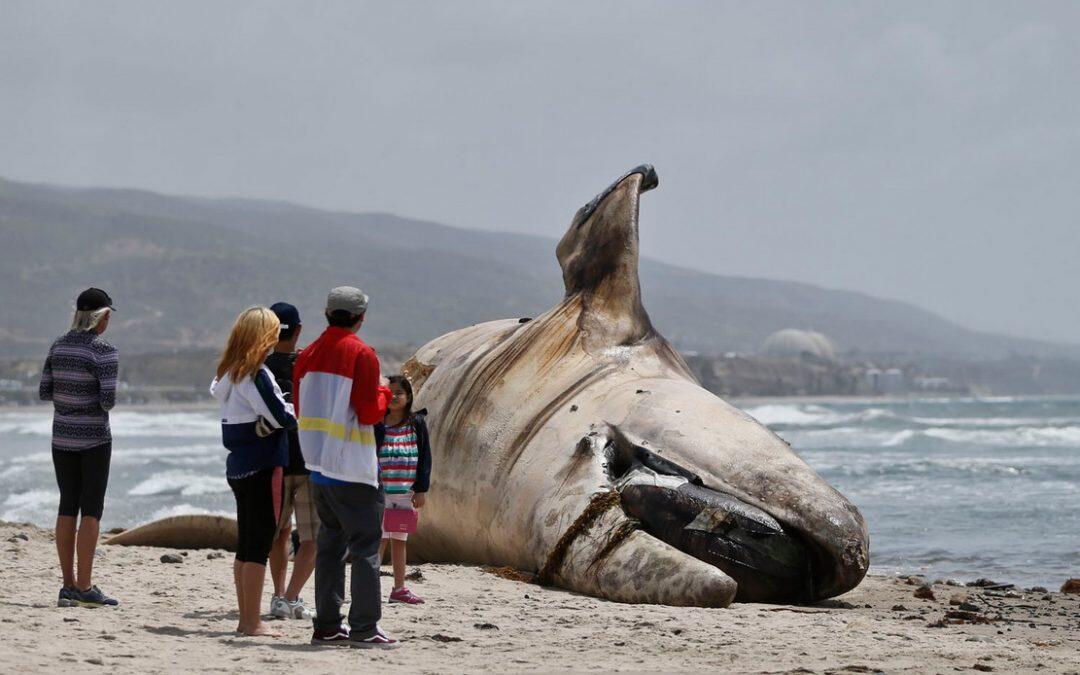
<point>404,471</point>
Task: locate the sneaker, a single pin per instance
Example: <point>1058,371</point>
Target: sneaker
<point>338,637</point>
<point>298,609</point>
<point>93,597</point>
<point>67,597</point>
<point>379,640</point>
<point>405,595</point>
<point>279,608</point>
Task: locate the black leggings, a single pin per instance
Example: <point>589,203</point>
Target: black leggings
<point>258,508</point>
<point>82,476</point>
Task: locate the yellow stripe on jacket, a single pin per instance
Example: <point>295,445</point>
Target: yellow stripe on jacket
<point>364,436</point>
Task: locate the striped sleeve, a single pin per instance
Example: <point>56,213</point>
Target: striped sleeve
<point>45,389</point>
<point>274,408</point>
<point>107,364</point>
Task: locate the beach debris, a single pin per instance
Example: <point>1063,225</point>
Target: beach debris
<point>172,558</point>
<point>1072,587</point>
<point>116,530</point>
<point>925,592</point>
<point>952,582</point>
<point>958,598</point>
<point>983,667</point>
<point>95,661</point>
<point>439,637</point>
<point>485,626</point>
<point>969,607</point>
<point>20,535</point>
<point>899,608</point>
<point>915,581</point>
<point>989,585</point>
<point>512,574</point>
<point>415,575</point>
<point>1038,589</point>
<point>214,555</point>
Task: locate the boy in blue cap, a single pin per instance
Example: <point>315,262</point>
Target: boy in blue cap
<point>296,496</point>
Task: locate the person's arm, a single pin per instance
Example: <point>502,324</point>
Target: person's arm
<point>45,389</point>
<point>271,404</point>
<point>423,461</point>
<point>369,398</point>
<point>108,365</point>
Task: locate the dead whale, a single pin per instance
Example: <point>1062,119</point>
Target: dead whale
<point>579,446</point>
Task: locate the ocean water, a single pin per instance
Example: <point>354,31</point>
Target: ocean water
<point>950,487</point>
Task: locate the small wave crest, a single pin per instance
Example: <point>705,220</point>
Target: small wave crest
<point>186,510</point>
<point>183,483</point>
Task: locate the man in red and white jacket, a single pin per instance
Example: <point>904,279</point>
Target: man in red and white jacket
<point>339,395</point>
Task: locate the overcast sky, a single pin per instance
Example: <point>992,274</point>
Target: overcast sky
<point>924,152</point>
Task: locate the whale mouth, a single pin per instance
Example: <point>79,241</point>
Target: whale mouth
<point>768,561</point>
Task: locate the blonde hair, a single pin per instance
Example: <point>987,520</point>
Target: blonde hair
<point>88,320</point>
<point>253,335</point>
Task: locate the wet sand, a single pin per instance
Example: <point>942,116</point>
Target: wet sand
<point>180,617</point>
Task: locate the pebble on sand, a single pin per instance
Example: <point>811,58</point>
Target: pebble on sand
<point>1072,587</point>
<point>172,558</point>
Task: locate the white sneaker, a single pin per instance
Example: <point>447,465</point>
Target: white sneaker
<point>299,609</point>
<point>279,608</point>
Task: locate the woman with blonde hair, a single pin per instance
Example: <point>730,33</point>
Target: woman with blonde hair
<point>253,413</point>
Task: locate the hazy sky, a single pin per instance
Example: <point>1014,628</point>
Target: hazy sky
<point>925,152</point>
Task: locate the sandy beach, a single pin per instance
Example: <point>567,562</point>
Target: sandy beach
<point>180,617</point>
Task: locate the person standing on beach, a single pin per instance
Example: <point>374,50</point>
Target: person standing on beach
<point>286,602</point>
<point>253,411</point>
<point>79,377</point>
<point>340,395</point>
<point>405,472</point>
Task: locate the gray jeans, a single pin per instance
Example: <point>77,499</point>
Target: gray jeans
<point>352,517</point>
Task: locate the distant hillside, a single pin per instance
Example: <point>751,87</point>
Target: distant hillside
<point>180,269</point>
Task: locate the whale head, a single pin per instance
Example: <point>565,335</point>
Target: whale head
<point>691,470</point>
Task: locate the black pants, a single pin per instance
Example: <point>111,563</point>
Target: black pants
<point>258,507</point>
<point>82,476</point>
<point>351,521</point>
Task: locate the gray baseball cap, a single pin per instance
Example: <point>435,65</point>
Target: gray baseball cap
<point>350,299</point>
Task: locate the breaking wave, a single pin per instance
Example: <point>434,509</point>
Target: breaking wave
<point>184,483</point>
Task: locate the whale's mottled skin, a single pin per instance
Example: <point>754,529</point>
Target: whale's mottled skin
<point>579,446</point>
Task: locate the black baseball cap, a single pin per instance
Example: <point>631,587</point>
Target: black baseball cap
<point>92,299</point>
<point>287,314</point>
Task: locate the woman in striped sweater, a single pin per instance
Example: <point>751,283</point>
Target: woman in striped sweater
<point>253,415</point>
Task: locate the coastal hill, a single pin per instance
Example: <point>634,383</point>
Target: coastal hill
<point>180,268</point>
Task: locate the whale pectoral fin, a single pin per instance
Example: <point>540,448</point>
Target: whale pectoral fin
<point>613,559</point>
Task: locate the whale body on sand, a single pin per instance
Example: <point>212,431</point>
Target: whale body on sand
<point>578,446</point>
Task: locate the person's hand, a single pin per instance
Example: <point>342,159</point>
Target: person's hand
<point>418,499</point>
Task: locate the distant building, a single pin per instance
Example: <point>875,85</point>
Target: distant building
<point>792,342</point>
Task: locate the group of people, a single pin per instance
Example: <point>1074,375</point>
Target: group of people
<point>319,433</point>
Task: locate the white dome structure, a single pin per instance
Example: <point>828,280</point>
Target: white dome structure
<point>793,342</point>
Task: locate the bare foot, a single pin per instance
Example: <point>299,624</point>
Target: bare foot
<point>262,630</point>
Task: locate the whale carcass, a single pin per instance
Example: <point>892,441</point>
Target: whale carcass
<point>578,446</point>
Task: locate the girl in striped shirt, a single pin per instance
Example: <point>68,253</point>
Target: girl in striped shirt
<point>404,471</point>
